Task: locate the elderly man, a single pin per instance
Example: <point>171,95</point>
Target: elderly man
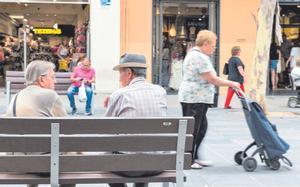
<point>86,74</point>
<point>38,99</point>
<point>136,98</point>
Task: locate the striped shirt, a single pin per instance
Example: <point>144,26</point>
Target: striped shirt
<point>138,99</point>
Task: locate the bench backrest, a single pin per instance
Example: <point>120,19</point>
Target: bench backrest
<point>164,136</point>
<point>17,81</point>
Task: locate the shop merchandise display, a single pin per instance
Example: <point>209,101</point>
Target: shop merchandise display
<point>39,48</point>
<point>176,69</point>
<point>179,34</point>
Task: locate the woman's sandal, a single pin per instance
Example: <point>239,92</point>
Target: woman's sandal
<point>195,165</point>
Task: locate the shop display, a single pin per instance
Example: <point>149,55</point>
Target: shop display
<point>172,31</point>
<point>80,38</point>
<point>39,48</point>
<point>179,35</point>
<point>176,72</point>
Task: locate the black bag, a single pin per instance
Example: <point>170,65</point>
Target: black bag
<point>226,69</point>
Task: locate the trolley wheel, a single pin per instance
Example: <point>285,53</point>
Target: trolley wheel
<point>249,164</point>
<point>238,157</point>
<point>274,164</point>
<point>293,102</point>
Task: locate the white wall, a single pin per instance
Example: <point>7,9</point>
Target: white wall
<point>105,44</point>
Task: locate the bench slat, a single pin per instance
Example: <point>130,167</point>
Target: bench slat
<point>86,163</point>
<point>15,79</point>
<point>59,92</point>
<point>14,74</point>
<point>94,144</point>
<point>161,125</point>
<point>84,178</point>
<point>21,74</point>
<point>22,80</point>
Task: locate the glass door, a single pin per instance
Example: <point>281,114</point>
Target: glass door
<point>176,24</point>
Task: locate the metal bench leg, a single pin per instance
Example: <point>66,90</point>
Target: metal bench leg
<point>93,99</point>
<point>166,184</point>
<point>7,93</point>
<point>180,153</point>
<point>54,165</point>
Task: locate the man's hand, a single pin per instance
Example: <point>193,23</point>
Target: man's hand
<point>105,101</point>
<point>77,79</point>
<point>85,81</point>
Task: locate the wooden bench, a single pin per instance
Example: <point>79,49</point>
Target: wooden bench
<point>15,81</point>
<point>171,137</point>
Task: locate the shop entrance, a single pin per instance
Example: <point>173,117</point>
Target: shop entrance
<point>55,31</point>
<point>289,50</point>
<point>176,24</point>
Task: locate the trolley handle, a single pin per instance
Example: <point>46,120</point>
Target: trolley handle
<point>239,93</point>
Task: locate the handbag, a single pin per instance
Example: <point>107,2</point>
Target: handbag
<point>81,93</point>
<point>226,69</point>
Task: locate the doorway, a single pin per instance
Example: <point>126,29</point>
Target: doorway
<point>175,27</point>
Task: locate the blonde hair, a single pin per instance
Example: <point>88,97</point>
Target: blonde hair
<point>298,62</point>
<point>235,50</point>
<point>205,36</point>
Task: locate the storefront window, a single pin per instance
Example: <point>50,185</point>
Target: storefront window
<point>56,32</point>
<point>176,26</point>
<point>289,48</point>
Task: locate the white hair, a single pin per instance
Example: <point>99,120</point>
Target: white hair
<point>36,69</point>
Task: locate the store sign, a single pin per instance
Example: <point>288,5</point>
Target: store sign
<point>47,31</point>
<point>105,2</point>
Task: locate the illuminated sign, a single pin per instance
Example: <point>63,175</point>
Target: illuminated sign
<point>48,31</point>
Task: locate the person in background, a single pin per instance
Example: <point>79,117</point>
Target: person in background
<point>2,58</point>
<point>63,52</point>
<point>236,73</point>
<point>38,99</point>
<point>86,74</point>
<point>295,53</point>
<point>285,48</point>
<point>197,90</point>
<point>274,59</point>
<point>63,49</point>
<point>296,73</point>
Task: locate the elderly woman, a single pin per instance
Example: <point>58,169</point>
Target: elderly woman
<point>197,90</point>
<point>236,73</point>
<point>38,99</point>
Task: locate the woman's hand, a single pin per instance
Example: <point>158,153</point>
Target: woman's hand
<point>235,85</point>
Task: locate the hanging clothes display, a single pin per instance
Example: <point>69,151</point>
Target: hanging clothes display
<point>165,71</point>
<point>176,73</point>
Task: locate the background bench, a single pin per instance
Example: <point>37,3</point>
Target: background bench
<point>172,137</point>
<point>15,81</point>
